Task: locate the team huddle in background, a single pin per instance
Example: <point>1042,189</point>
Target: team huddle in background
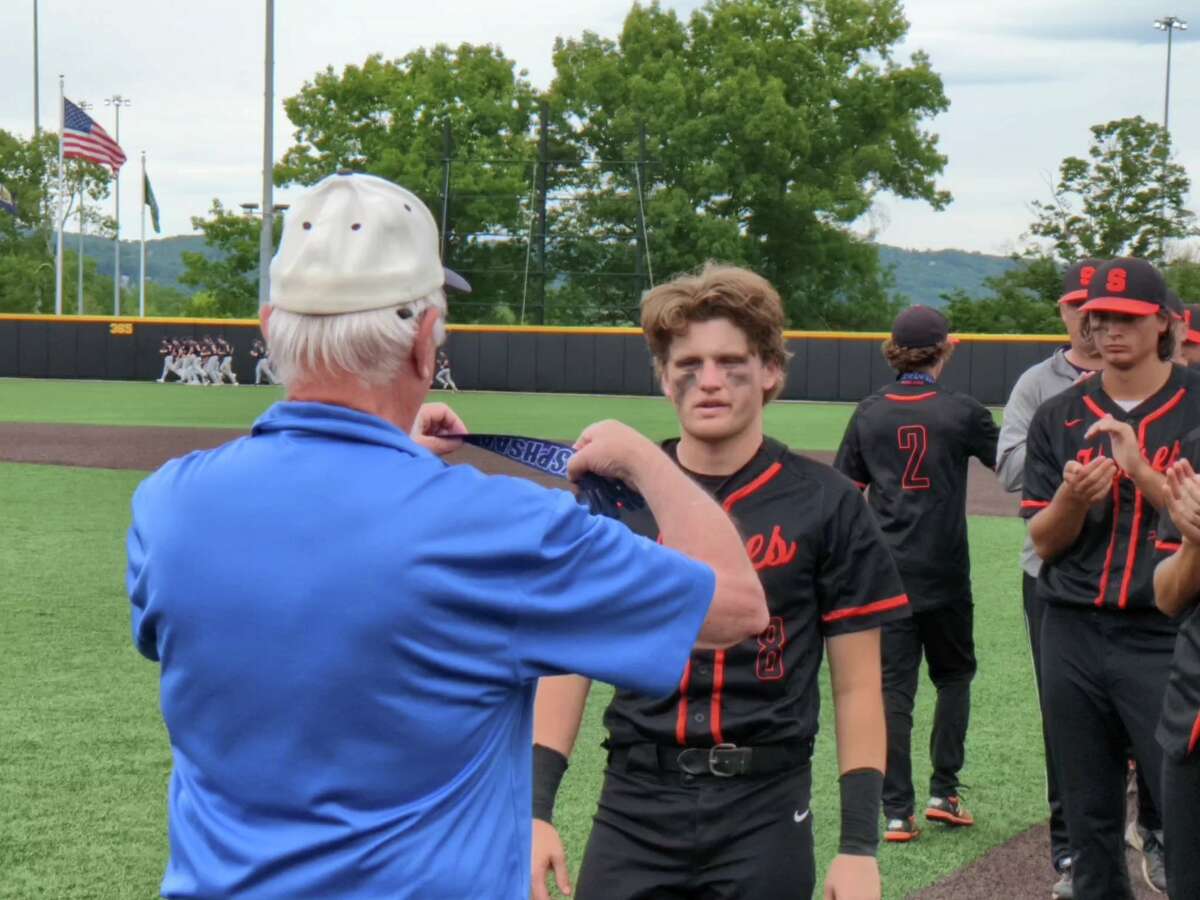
<point>209,360</point>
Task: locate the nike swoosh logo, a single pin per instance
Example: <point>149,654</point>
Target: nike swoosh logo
<point>1071,423</point>
<point>799,817</point>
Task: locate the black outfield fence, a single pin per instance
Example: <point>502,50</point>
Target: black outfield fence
<point>824,365</point>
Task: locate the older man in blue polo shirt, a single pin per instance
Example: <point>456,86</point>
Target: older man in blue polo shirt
<point>349,696</point>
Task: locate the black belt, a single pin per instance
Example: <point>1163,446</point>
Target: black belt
<point>721,761</point>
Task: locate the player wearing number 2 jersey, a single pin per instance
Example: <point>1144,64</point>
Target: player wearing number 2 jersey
<point>909,444</point>
<point>706,793</point>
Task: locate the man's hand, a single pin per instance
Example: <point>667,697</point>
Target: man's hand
<point>614,450</point>
<point>1126,452</point>
<point>437,428</point>
<point>853,878</point>
<point>1183,500</point>
<point>548,854</point>
<point>1088,484</point>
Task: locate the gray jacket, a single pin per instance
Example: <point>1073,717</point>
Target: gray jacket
<point>1037,384</point>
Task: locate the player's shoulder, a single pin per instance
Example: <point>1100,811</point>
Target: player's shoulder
<point>1067,400</point>
<point>822,486</point>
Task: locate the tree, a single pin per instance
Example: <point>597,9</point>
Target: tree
<point>772,126</point>
<point>229,274</point>
<point>1126,199</point>
<point>29,171</point>
<point>392,117</point>
<point>1023,300</point>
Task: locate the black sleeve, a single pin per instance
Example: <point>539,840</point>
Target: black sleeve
<point>1043,469</point>
<point>984,434</point>
<point>849,460</point>
<point>858,586</point>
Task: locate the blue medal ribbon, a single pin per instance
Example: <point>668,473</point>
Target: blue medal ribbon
<point>917,378</point>
<point>602,496</point>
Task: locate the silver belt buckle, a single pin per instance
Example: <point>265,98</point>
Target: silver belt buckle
<point>713,762</point>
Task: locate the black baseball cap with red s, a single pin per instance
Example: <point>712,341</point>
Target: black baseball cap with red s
<point>1077,279</point>
<point>1130,287</point>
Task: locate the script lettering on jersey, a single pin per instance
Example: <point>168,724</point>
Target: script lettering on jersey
<point>770,553</point>
<point>1160,460</point>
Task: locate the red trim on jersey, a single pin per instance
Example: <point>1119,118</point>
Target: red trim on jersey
<point>1195,738</point>
<point>719,658</point>
<point>861,485</point>
<point>910,398</point>
<point>717,687</point>
<point>744,492</point>
<point>1167,546</point>
<point>1140,501</point>
<point>869,610</point>
<point>681,719</point>
<point>1112,541</point>
<point>1034,504</point>
<point>1094,407</point>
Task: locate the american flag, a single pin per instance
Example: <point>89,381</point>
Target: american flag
<point>84,139</point>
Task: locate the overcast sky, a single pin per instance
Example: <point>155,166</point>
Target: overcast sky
<point>1025,78</point>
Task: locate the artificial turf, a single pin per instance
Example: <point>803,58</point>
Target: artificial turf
<point>83,753</point>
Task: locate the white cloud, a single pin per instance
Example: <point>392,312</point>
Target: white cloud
<point>1026,79</point>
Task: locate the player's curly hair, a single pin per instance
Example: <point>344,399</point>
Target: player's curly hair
<point>718,291</point>
<point>915,359</point>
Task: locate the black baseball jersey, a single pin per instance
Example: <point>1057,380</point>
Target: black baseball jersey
<point>825,572</point>
<point>910,443</point>
<point>1111,563</point>
<point>1179,728</point>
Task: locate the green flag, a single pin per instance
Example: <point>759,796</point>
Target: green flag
<point>151,202</point>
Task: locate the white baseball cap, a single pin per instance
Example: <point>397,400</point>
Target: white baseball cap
<point>355,242</point>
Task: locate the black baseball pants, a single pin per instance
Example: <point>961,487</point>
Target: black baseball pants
<point>671,836</point>
<point>1103,678</point>
<point>945,637</point>
<point>1181,825</point>
<point>1060,845</point>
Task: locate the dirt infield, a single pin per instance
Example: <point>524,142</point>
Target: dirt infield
<point>145,449</point>
<point>1015,870</point>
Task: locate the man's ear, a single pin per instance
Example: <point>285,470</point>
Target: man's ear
<point>425,344</point>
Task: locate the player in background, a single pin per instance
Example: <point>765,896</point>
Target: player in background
<point>1037,384</point>
<point>1177,593</point>
<point>909,445</point>
<point>263,373</point>
<point>1189,354</point>
<point>706,792</point>
<point>225,370</point>
<point>167,351</point>
<point>442,379</point>
<point>1093,485</point>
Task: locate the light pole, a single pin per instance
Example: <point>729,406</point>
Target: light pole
<point>116,101</point>
<point>85,106</point>
<point>37,121</point>
<point>1169,24</point>
<point>266,244</point>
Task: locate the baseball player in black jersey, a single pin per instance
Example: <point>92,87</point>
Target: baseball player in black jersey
<point>909,445</point>
<point>1177,593</point>
<point>1189,351</point>
<point>706,792</point>
<point>1093,485</point>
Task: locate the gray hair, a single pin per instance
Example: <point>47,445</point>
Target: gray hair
<point>370,346</point>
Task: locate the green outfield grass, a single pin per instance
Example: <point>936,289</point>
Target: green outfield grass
<point>83,753</point>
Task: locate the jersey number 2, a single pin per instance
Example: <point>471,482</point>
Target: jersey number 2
<point>913,440</point>
<point>769,665</point>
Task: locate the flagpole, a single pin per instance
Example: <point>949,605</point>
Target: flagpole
<point>58,216</point>
<point>266,244</point>
<point>85,106</point>
<point>117,101</point>
<point>142,270</point>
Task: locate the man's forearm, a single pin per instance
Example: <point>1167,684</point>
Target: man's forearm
<point>1151,483</point>
<point>854,663</point>
<point>691,522</point>
<point>1177,580</point>
<point>558,711</point>
<point>1055,528</point>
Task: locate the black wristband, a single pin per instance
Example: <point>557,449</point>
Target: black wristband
<point>861,793</point>
<point>549,766</point>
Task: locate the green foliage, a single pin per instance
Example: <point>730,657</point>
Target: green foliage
<point>29,170</point>
<point>1023,300</point>
<point>772,126</point>
<point>229,276</point>
<point>1183,275</point>
<point>1126,199</point>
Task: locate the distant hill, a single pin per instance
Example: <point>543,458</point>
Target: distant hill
<point>921,275</point>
